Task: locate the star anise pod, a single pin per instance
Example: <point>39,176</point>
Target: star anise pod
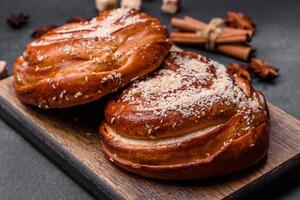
<point>41,31</point>
<point>76,19</point>
<point>263,70</point>
<point>17,21</point>
<point>239,70</point>
<point>239,20</point>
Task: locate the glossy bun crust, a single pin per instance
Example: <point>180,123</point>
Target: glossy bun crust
<point>188,120</point>
<point>82,61</point>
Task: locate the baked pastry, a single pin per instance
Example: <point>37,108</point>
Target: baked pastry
<point>82,61</point>
<point>189,120</point>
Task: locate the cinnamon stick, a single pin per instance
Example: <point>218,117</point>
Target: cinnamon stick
<point>182,24</point>
<point>231,41</point>
<point>194,38</point>
<point>239,51</point>
<point>194,25</point>
<point>242,52</point>
<point>225,29</point>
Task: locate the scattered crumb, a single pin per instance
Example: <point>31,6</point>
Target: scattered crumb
<point>170,6</point>
<point>136,4</point>
<point>105,4</point>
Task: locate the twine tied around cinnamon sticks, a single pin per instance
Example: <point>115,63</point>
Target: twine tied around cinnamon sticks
<point>211,32</point>
<point>213,36</point>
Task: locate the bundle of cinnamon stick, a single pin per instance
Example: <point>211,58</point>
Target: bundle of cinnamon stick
<point>227,40</point>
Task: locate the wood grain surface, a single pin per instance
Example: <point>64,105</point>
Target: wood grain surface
<point>70,138</point>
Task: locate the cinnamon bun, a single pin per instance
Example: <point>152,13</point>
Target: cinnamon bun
<point>188,120</point>
<point>82,61</point>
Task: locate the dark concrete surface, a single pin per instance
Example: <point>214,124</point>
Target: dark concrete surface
<point>26,174</point>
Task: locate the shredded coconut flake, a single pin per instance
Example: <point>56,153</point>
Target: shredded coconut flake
<point>197,82</point>
<point>78,94</point>
<point>117,20</point>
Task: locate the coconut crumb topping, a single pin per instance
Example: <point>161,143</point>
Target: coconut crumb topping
<point>116,20</point>
<point>195,83</point>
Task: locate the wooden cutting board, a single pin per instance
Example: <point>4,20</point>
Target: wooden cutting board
<point>70,138</point>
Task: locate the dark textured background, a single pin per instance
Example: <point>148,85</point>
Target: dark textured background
<point>27,174</point>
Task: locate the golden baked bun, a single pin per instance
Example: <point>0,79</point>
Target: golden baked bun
<point>83,61</point>
<point>188,120</point>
